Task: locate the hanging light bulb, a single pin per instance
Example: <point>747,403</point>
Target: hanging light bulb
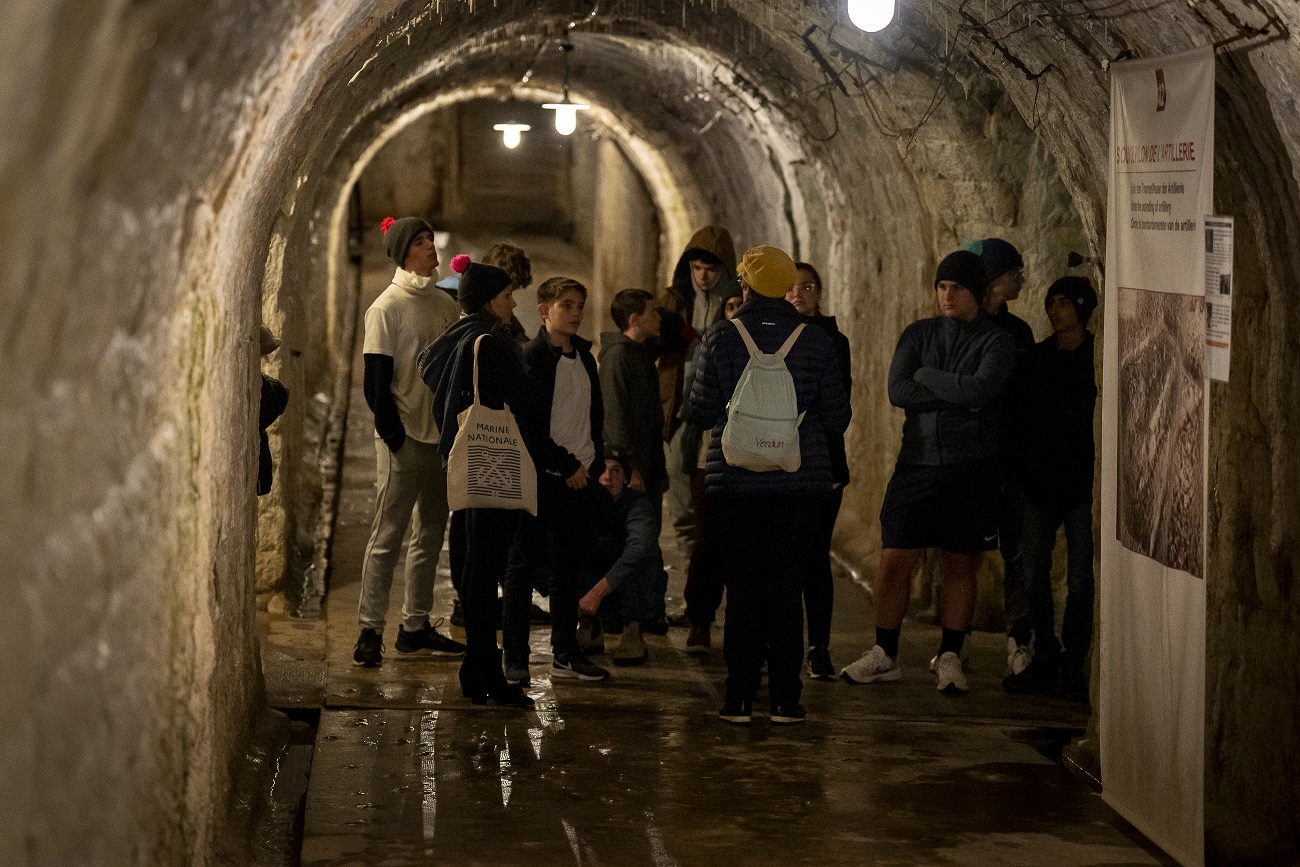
<point>566,113</point>
<point>511,133</point>
<point>871,15</point>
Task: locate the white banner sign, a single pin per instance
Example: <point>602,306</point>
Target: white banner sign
<point>1152,640</point>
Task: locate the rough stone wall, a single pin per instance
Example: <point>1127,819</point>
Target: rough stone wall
<point>144,185</point>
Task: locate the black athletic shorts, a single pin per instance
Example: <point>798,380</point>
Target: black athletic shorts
<point>953,507</point>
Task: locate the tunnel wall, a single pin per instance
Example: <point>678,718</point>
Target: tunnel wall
<point>145,183</point>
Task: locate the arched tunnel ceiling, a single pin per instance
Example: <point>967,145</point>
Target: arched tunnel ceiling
<point>158,154</point>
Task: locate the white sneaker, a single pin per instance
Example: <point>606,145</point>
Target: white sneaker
<point>1018,656</point>
<point>952,680</point>
<point>872,666</point>
<point>965,655</point>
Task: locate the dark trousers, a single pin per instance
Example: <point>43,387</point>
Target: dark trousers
<point>765,544</point>
<point>1040,540</point>
<point>558,541</point>
<point>488,534</point>
<point>1015,587</point>
<point>704,586</point>
<point>456,540</point>
<point>819,586</point>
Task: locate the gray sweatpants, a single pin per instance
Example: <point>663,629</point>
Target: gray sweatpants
<point>412,480</point>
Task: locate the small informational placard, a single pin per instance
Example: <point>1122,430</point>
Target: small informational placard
<point>1218,297</point>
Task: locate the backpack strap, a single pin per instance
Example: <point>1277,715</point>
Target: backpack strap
<point>749,341</point>
<point>789,341</point>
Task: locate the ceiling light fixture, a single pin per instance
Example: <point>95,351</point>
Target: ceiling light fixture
<point>871,15</point>
<point>566,113</point>
<point>512,133</point>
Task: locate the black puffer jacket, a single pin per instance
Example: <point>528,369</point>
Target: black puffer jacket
<point>817,386</point>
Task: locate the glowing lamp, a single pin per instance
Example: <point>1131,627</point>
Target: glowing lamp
<point>566,115</point>
<point>871,15</point>
<point>511,133</point>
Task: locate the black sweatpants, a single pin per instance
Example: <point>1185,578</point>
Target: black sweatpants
<point>704,586</point>
<point>765,543</point>
<point>819,586</point>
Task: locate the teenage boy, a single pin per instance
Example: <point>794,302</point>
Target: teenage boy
<point>634,419</point>
<point>948,374</point>
<point>627,560</point>
<point>1055,468</point>
<point>1004,269</point>
<point>406,317</point>
<point>568,448</point>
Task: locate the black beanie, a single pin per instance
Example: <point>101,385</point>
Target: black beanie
<point>999,257</point>
<point>964,268</point>
<point>480,284</point>
<point>399,234</point>
<point>1078,290</point>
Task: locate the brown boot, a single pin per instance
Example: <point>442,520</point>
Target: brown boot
<point>700,639</point>
<point>631,648</point>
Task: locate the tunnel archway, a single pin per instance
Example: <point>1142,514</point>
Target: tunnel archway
<point>194,143</point>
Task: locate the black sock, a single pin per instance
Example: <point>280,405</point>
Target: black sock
<point>888,641</point>
<point>951,641</point>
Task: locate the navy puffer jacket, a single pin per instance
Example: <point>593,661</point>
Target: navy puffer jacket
<point>817,385</point>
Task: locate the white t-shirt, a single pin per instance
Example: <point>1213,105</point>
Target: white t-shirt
<point>406,317</point>
<point>571,409</point>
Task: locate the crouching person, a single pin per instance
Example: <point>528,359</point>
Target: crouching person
<point>627,560</point>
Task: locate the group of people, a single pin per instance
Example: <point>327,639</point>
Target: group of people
<point>606,435</point>
<point>997,448</point>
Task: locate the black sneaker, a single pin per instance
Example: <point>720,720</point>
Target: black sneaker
<point>1042,675</point>
<point>819,664</point>
<point>789,714</point>
<point>737,712</point>
<point>369,651</point>
<point>457,615</point>
<point>577,667</point>
<point>428,638</point>
<point>655,627</point>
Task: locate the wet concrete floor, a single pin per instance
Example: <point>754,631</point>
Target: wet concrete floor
<point>640,770</point>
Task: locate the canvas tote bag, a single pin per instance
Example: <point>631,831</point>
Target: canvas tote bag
<point>489,466</point>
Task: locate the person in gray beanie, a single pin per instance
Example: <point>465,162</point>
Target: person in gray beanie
<point>948,375</point>
<point>406,317</point>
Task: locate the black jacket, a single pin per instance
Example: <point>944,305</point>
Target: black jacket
<point>835,442</point>
<point>818,389</point>
<point>1054,447</point>
<point>541,359</point>
<point>634,416</point>
<point>275,397</point>
<point>949,376</point>
<point>447,367</point>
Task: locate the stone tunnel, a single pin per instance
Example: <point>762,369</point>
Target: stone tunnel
<point>176,172</point>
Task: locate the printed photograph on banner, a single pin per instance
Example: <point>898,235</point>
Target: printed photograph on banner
<point>1161,419</point>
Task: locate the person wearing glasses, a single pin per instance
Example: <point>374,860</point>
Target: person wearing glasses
<point>819,588</point>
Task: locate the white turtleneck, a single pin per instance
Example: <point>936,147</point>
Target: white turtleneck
<point>405,318</point>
